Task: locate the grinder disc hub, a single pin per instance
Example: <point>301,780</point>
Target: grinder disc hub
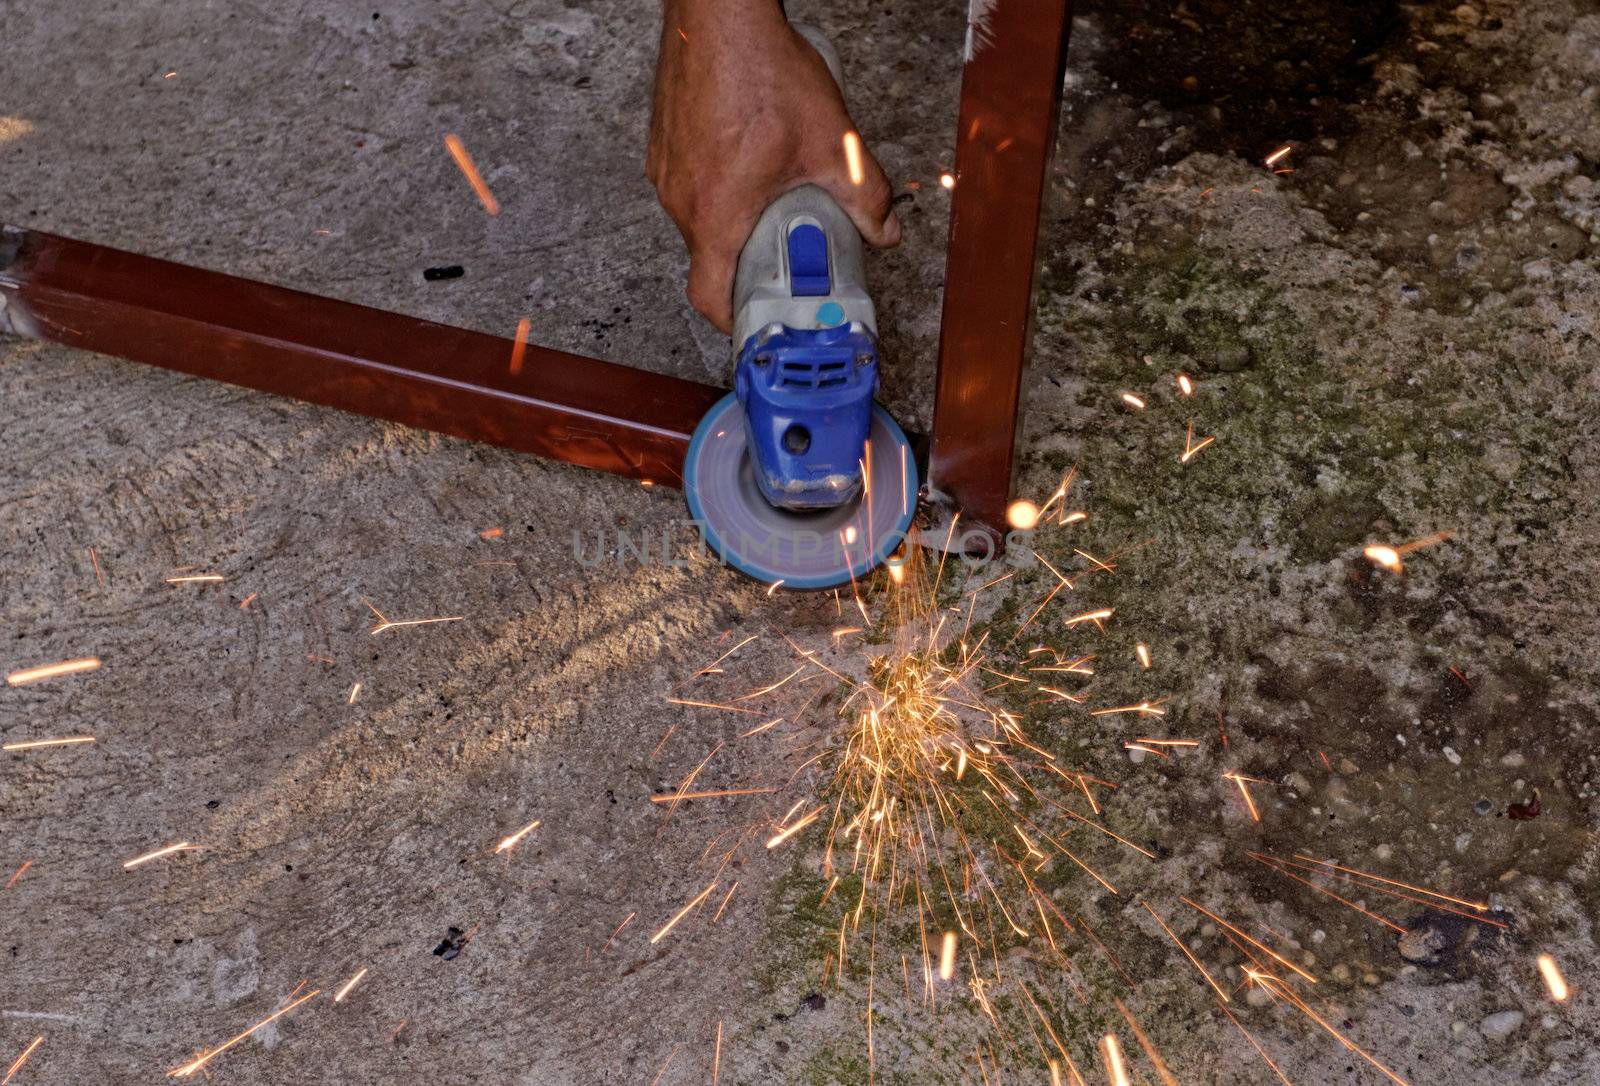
<point>801,549</point>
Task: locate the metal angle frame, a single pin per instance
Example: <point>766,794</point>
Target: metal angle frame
<point>565,406</point>
<point>1005,143</point>
<point>452,380</point>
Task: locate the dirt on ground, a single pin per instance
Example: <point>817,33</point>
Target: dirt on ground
<point>1389,332</point>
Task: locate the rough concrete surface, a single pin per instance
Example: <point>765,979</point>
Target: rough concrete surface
<point>1396,339</point>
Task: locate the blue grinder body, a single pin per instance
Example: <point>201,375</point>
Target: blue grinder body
<point>807,398</point>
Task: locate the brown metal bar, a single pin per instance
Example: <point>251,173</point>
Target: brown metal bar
<point>385,365</point>
<point>1010,101</point>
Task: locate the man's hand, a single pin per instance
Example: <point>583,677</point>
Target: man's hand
<point>745,110</point>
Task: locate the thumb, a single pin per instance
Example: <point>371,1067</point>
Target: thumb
<point>868,203</point>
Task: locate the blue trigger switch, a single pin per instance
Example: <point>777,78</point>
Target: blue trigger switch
<point>808,262</point>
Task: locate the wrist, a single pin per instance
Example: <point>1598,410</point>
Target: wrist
<point>724,17</point>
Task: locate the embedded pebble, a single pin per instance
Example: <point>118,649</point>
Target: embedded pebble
<point>1500,1025</point>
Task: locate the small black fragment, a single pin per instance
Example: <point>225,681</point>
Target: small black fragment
<point>451,945</point>
<point>443,271</point>
<point>213,804</point>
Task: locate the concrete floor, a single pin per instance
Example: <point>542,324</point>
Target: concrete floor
<point>1396,339</point>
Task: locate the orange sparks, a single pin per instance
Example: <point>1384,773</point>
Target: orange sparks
<point>1095,562</point>
<point>676,1044</point>
<point>35,743</point>
<point>16,1064</point>
<point>674,797</point>
<point>723,907</point>
<point>774,586</point>
<point>474,178</point>
<point>625,922</point>
<point>1280,959</point>
<point>181,846</point>
<point>716,1056</point>
<point>1186,952</point>
<point>1095,617</point>
<point>52,671</point>
<point>1185,385</point>
<point>1190,448</point>
<point>12,881</point>
<point>1144,708</point>
<point>196,578</point>
<point>1479,906</point>
<point>1278,156</point>
<point>1276,987</point>
<point>1389,557</point>
<point>1022,515</point>
<point>247,601</point>
<point>1111,1053</point>
<point>1168,742</point>
<point>206,1057</point>
<point>492,533</point>
<point>519,346</point>
<point>1142,651</point>
<point>852,157</point>
<point>710,705</point>
<point>355,692</point>
<point>1553,978</point>
<point>683,912</point>
<point>1133,401</point>
<point>511,842</point>
<point>386,623</point>
<point>1279,866</point>
<point>1243,782</point>
<point>94,560</point>
<point>1257,1046</point>
<point>759,728</point>
<point>1167,1077</point>
<point>344,990</point>
<point>783,835</point>
<point>947,956</point>
<point>947,180</point>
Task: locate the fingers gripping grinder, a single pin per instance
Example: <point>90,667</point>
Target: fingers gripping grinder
<point>797,476</point>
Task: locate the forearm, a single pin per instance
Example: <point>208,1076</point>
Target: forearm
<point>722,19</point>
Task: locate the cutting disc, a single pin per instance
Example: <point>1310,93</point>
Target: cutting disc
<point>802,550</point>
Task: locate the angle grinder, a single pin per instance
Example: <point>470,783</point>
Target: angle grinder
<point>798,477</point>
